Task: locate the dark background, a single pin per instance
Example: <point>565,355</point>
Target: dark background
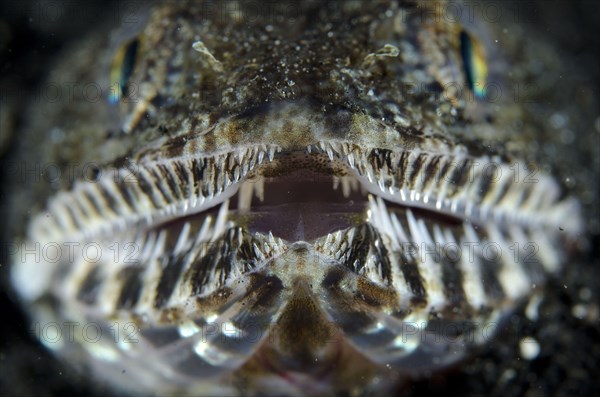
<point>566,364</point>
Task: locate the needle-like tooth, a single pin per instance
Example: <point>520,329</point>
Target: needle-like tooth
<point>309,149</point>
<point>203,233</point>
<point>224,183</point>
<point>146,244</point>
<point>330,153</point>
<point>159,246</point>
<point>266,248</point>
<point>351,159</point>
<point>182,239</point>
<point>386,221</point>
<point>336,182</point>
<point>239,237</point>
<point>335,146</point>
<point>263,147</point>
<point>257,251</point>
<point>398,228</point>
<point>346,187</point>
<point>261,156</point>
<point>373,213</point>
<point>413,227</point>
<point>271,153</point>
<point>259,188</point>
<point>245,196</point>
<point>328,240</point>
<point>351,234</point>
<point>252,155</point>
<point>381,182</point>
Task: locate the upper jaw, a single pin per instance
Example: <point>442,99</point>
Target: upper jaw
<point>478,189</point>
<point>202,168</point>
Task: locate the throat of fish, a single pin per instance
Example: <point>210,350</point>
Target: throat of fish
<point>301,197</point>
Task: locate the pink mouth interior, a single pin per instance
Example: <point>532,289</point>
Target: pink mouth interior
<point>300,207</point>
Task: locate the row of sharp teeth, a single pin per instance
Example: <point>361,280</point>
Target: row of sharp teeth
<point>191,242</point>
<point>100,208</point>
<point>149,248</point>
<point>512,245</point>
<point>408,237</point>
<point>349,185</point>
<point>417,231</point>
<point>358,160</point>
<point>256,188</point>
<point>513,192</point>
<point>192,245</point>
<point>74,214</point>
<point>352,153</point>
<point>160,248</point>
<point>212,230</point>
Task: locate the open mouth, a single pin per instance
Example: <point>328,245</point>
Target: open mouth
<point>480,190</point>
<point>249,240</point>
<point>357,206</point>
<point>297,203</point>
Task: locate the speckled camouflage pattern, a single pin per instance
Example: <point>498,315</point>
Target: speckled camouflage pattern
<point>353,87</point>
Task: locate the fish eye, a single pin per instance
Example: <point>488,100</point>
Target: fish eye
<point>474,63</point>
<point>121,70</point>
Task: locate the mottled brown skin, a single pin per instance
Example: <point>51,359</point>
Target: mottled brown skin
<point>181,92</point>
<point>327,69</point>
